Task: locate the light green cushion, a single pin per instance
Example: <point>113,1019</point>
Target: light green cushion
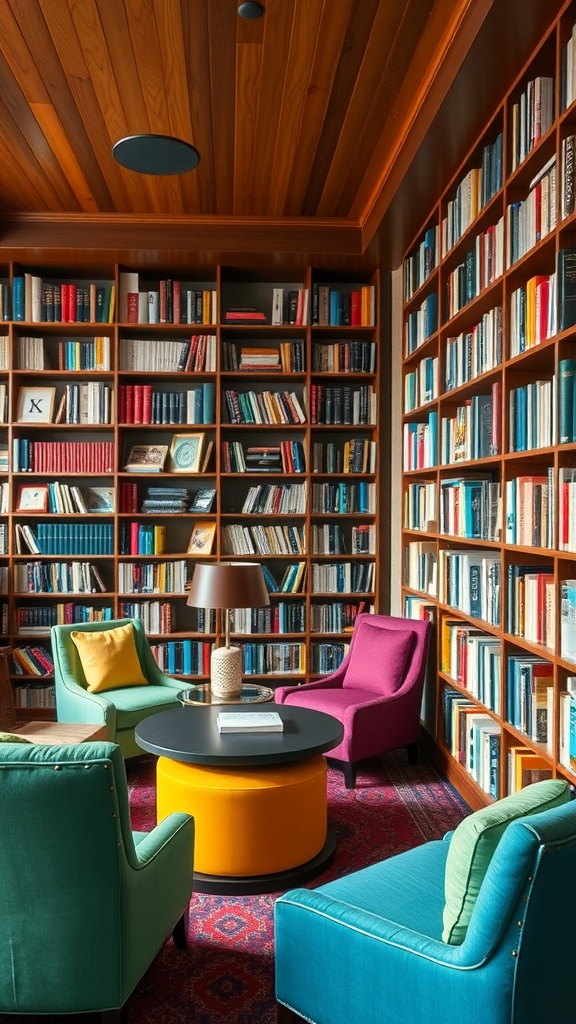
<point>12,737</point>
<point>473,845</point>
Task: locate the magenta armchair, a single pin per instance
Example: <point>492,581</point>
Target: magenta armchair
<point>376,692</point>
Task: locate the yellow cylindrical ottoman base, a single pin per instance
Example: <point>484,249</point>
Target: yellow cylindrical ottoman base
<point>248,821</point>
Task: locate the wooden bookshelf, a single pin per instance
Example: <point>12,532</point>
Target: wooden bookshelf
<point>489,442</point>
<point>293,481</point>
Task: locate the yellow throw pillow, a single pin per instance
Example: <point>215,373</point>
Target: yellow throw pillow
<point>109,658</point>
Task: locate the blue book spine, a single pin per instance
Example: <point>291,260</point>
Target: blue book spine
<point>18,304</point>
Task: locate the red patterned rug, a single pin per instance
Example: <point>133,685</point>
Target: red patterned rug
<point>226,976</point>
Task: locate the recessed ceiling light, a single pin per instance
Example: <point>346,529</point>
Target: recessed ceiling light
<point>250,10</point>
<point>155,154</point>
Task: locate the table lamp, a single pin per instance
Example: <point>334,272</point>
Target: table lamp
<point>223,586</point>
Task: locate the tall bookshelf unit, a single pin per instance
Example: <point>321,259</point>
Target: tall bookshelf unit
<point>489,451</point>
<point>284,411</point>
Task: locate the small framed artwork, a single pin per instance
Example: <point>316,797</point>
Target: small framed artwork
<point>146,458</point>
<point>186,453</point>
<point>35,405</point>
<point>100,499</point>
<point>32,498</point>
<point>202,538</point>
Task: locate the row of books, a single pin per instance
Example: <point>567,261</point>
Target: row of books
<point>143,403</point>
<point>420,566</point>
<point>287,457</point>
<point>473,659</point>
<point>566,509</point>
<point>168,355</point>
<point>36,300</point>
<point>529,696</point>
<point>38,619</point>
<point>65,538</point>
<point>530,510</point>
<point>263,406</point>
<point>475,351</point>
<point>183,657</point>
<point>421,384</point>
<point>480,268</point>
<point>473,192</point>
<point>272,499</point>
<point>533,313</point>
<point>326,658</point>
<point>275,659</point>
<point>530,220</point>
<point>58,578</point>
<point>34,696</point>
<point>342,577</point>
<point>36,353</point>
<point>473,432</point>
<point>356,455</point>
<point>532,116</point>
<point>568,620</point>
<point>89,403</point>
<point>292,580</point>
<point>165,577</point>
<point>344,498</point>
<point>157,616</point>
<point>474,740</point>
<point>69,498</point>
<point>336,539</point>
<point>531,416</point>
<point>240,539</point>
<point>167,301</point>
<point>165,500</point>
<point>420,443</point>
<point>421,323</point>
<point>142,538</point>
<point>344,357</point>
<point>335,616</point>
<point>344,306</point>
<point>282,617</point>
<point>290,306</point>
<point>471,507</point>
<point>78,457</point>
<point>283,357</point>
<point>32,661</point>
<point>470,580</point>
<point>342,405</point>
<point>566,401</point>
<point>567,726</point>
<point>420,510</point>
<point>420,264</point>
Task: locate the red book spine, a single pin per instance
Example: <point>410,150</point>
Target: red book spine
<point>122,403</point>
<point>132,307</point>
<point>64,302</point>
<point>355,308</point>
<point>176,302</point>
<point>129,403</point>
<point>134,528</point>
<point>162,302</point>
<point>138,404</point>
<point>71,303</point>
<point>147,403</point>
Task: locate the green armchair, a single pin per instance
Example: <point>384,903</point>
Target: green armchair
<point>120,710</point>
<point>86,902</point>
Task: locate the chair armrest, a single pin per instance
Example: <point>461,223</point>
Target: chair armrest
<point>75,704</point>
<point>177,826</point>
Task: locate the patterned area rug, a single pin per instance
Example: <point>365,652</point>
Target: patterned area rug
<point>226,976</point>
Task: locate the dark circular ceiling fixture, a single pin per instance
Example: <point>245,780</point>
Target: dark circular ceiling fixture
<point>250,10</point>
<point>155,154</point>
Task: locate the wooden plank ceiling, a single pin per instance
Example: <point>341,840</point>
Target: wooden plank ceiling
<point>298,115</point>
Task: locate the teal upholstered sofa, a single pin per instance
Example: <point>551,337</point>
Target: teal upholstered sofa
<point>120,710</point>
<point>369,947</point>
<point>85,903</point>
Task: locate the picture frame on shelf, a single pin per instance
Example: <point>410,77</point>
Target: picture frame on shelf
<point>146,458</point>
<point>202,538</point>
<point>32,498</point>
<point>186,453</point>
<point>100,499</point>
<point>35,404</point>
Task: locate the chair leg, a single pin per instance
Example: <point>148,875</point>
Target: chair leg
<point>349,774</point>
<point>412,751</point>
<point>180,931</point>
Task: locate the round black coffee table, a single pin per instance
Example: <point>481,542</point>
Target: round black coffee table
<point>259,800</point>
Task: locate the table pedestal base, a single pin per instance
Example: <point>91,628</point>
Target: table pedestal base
<point>231,885</point>
<point>254,826</point>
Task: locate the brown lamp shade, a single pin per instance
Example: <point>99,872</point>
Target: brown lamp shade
<point>228,585</point>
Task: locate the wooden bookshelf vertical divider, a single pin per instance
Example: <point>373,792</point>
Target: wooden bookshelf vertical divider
<point>233,287</point>
<point>425,542</point>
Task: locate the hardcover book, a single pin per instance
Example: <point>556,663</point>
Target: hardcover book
<point>253,721</point>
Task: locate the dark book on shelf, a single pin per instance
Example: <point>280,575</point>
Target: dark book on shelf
<point>203,500</point>
<point>566,288</point>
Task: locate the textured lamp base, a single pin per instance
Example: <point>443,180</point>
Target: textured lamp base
<point>226,672</point>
